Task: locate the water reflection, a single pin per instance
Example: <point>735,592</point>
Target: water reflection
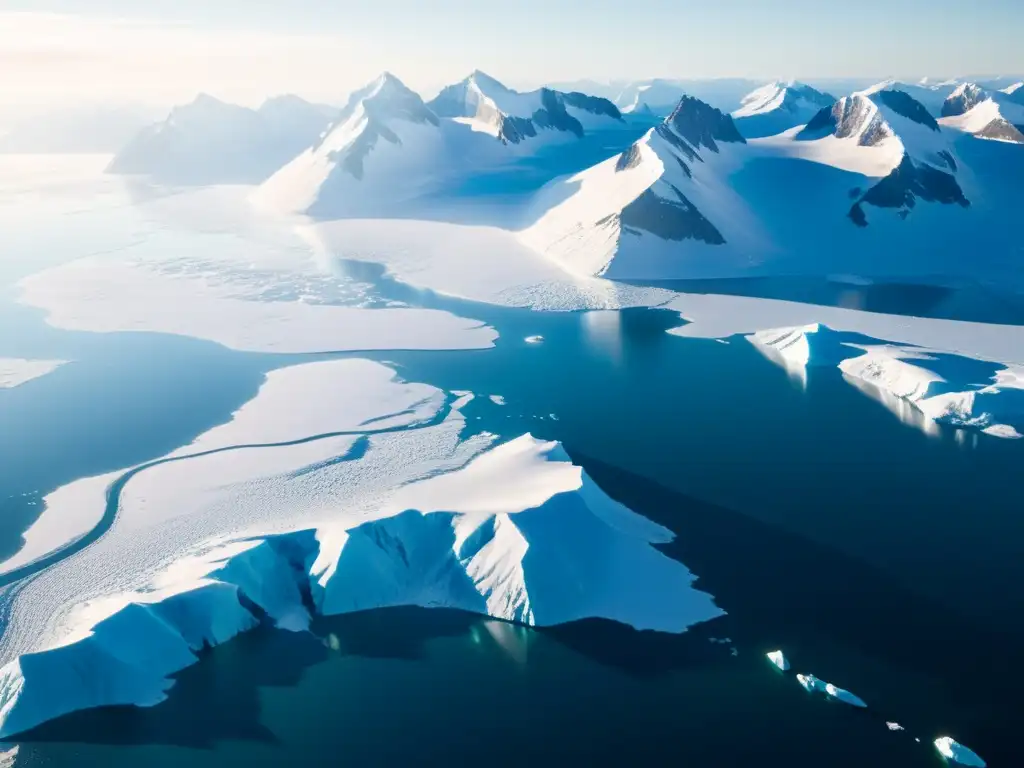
<point>602,330</point>
<point>903,409</point>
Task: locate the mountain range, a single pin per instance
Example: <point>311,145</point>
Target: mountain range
<point>893,179</point>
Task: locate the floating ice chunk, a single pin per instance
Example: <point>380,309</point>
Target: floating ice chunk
<point>497,399</point>
<point>811,683</point>
<point>937,386</point>
<point>778,658</point>
<point>14,371</point>
<point>892,726</point>
<point>534,339</point>
<point>953,750</point>
<point>840,694</point>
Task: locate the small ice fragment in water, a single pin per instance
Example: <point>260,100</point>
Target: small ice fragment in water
<point>734,651</point>
<point>533,339</point>
<point>497,399</point>
<point>953,750</point>
<point>778,658</point>
<point>893,726</point>
<point>844,696</point>
<point>811,683</point>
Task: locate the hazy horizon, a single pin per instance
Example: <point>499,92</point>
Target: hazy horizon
<point>160,52</point>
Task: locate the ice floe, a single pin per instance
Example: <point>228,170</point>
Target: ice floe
<point>817,685</point>
<point>943,387</point>
<point>15,371</point>
<point>517,533</point>
<point>953,750</point>
<point>778,658</point>
<point>107,295</point>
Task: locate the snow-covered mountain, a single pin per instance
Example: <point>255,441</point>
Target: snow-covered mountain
<point>986,114</point>
<point>514,117</point>
<point>777,107</point>
<point>660,96</point>
<point>209,141</point>
<point>874,176</point>
<point>385,151</point>
<point>930,94</point>
<point>626,215</point>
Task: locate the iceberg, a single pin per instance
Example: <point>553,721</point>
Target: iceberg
<point>518,533</point>
<point>841,694</point>
<point>15,371</point>
<point>953,750</point>
<point>817,685</point>
<point>943,387</point>
<point>778,658</point>
<point>811,683</point>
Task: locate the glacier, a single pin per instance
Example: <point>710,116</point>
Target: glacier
<point>944,387</point>
<point>490,537</point>
<point>290,406</point>
<point>15,371</point>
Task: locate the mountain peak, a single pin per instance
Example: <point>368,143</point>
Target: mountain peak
<point>965,97</point>
<point>701,124</point>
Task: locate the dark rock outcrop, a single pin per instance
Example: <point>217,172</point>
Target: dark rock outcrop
<point>702,125</point>
<point>848,117</point>
<point>669,219</point>
<point>905,185</point>
<point>963,100</point>
<point>1003,130</point>
<point>906,105</point>
<point>629,159</point>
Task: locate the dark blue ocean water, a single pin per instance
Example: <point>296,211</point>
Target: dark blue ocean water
<point>880,557</point>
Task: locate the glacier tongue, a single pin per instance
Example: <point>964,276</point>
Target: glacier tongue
<point>519,533</point>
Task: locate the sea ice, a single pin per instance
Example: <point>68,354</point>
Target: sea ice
<point>841,694</point>
<point>958,753</point>
<point>943,387</point>
<point>15,371</point>
<point>293,403</point>
<point>778,658</point>
<point>108,295</point>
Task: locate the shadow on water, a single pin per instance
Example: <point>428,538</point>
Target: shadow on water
<point>841,618</point>
<point>214,700</point>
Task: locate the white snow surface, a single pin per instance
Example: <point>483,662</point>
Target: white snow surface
<point>778,658</point>
<point>517,533</point>
<point>293,403</point>
<point>446,258</point>
<point>107,295</point>
<point>945,388</point>
<point>953,750</point>
<point>16,371</point>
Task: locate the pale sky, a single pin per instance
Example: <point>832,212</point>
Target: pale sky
<point>165,51</point>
